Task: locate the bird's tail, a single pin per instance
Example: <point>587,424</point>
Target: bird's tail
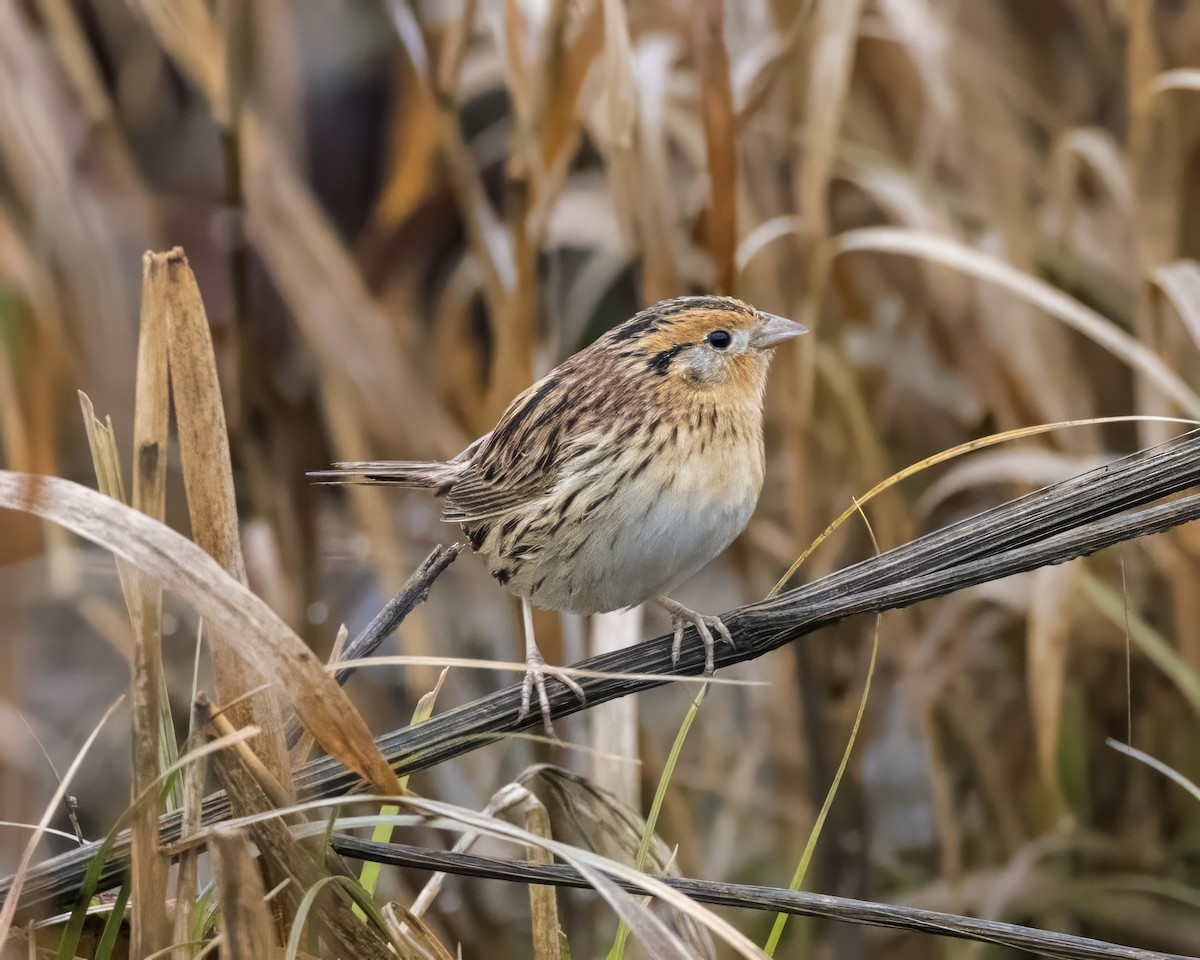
<point>430,475</point>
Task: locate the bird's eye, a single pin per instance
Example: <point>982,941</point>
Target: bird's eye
<point>720,339</point>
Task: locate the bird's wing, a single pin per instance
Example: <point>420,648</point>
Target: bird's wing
<point>522,459</point>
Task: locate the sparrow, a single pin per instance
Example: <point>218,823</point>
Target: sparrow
<point>619,474</point>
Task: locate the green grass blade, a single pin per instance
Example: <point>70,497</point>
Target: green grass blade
<point>112,926</point>
<point>67,946</point>
<point>660,794</point>
<point>369,878</point>
<point>815,833</point>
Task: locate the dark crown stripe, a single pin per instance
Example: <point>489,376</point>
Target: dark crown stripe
<point>660,314</point>
<point>643,323</point>
<point>684,304</point>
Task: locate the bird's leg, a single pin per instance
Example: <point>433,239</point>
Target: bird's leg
<point>681,616</point>
<point>535,675</point>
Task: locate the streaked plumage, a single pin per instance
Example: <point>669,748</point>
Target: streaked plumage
<point>623,471</point>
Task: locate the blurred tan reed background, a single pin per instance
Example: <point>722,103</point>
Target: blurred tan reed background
<point>399,214</point>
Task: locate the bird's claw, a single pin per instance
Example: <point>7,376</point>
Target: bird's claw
<point>535,678</point>
<point>681,617</point>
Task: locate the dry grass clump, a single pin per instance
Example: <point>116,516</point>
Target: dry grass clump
<point>397,215</point>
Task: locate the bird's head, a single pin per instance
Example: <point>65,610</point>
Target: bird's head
<point>703,342</point>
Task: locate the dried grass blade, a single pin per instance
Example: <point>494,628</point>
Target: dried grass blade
<point>170,290</point>
<point>1180,281</point>
<point>102,442</point>
<point>516,65</point>
<point>150,929</point>
<point>189,34</point>
<point>566,71</point>
<point>1155,764</point>
<point>1067,309</point>
<point>77,57</point>
<point>834,33</point>
<point>406,928</point>
<point>227,605</point>
<point>1154,149</point>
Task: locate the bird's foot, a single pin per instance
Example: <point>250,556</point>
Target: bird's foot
<point>681,616</point>
<point>535,679</point>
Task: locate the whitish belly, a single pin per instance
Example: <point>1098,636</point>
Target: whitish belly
<point>645,543</point>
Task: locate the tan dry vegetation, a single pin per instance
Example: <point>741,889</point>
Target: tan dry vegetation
<point>397,215</point>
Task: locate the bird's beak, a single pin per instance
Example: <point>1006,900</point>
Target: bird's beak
<point>774,331</point>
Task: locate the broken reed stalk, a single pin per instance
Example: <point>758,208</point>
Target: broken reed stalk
<point>1070,519</point>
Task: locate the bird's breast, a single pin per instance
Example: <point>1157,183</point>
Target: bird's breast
<point>640,519</point>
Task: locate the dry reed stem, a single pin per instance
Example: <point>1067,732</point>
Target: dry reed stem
<point>208,479</point>
<point>543,901</point>
<point>246,928</point>
<point>720,136</point>
<point>616,761</point>
<point>1047,647</point>
<point>150,930</point>
<point>187,876</point>
<point>151,713</point>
